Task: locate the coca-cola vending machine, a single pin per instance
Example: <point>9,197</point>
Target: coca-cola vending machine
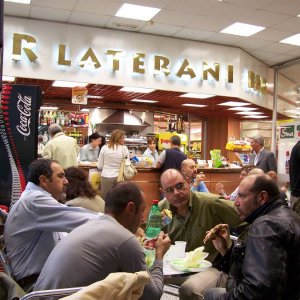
<point>18,137</point>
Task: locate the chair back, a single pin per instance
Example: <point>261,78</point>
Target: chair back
<point>51,293</point>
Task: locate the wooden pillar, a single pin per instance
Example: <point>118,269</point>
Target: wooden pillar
<point>219,130</point>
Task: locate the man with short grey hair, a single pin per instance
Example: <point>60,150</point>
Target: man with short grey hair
<point>62,148</point>
<point>261,157</point>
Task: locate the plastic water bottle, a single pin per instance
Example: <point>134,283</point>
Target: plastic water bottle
<point>154,221</point>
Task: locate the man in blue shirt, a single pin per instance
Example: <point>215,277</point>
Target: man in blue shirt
<point>189,170</point>
<point>34,223</point>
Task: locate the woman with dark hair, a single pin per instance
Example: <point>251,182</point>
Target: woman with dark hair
<point>151,152</point>
<point>90,152</point>
<point>80,192</point>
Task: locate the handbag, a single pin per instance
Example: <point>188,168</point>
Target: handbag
<point>127,169</point>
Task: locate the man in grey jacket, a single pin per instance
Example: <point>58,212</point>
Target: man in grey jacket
<point>108,245</point>
<point>262,158</point>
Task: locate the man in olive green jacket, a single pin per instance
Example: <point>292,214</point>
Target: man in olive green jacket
<point>194,213</point>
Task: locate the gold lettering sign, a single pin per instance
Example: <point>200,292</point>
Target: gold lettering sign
<point>230,73</point>
<point>88,57</point>
<point>138,63</point>
<point>116,61</point>
<point>185,70</point>
<point>215,73</point>
<point>257,83</point>
<point>161,63</point>
<point>62,56</point>
<point>17,46</point>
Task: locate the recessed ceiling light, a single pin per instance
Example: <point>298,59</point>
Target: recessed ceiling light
<point>242,108</point>
<point>136,90</point>
<point>255,117</point>
<point>48,108</point>
<point>61,83</point>
<point>242,29</point>
<point>8,78</point>
<point>19,1</point>
<point>292,40</point>
<point>137,12</point>
<point>193,105</point>
<point>292,111</point>
<point>144,101</point>
<point>94,97</point>
<point>298,15</point>
<point>234,103</point>
<point>249,113</point>
<point>197,95</point>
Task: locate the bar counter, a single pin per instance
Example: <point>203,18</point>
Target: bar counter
<point>148,180</point>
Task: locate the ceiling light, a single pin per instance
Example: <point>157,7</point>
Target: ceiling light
<point>256,117</point>
<point>298,15</point>
<point>144,101</point>
<point>249,113</point>
<point>292,40</point>
<point>242,29</point>
<point>242,108</point>
<point>137,12</point>
<point>234,103</point>
<point>193,105</point>
<point>48,108</point>
<point>292,111</point>
<point>8,78</point>
<point>84,110</point>
<point>19,1</point>
<point>94,97</point>
<point>70,84</point>
<point>196,95</point>
<point>136,90</point>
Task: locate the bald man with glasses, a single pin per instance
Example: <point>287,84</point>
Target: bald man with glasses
<point>195,213</point>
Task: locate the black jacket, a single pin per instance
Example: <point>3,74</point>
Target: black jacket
<point>267,265</point>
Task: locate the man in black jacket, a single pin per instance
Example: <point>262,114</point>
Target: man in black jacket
<point>267,264</point>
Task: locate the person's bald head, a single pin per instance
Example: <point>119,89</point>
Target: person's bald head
<point>189,168</point>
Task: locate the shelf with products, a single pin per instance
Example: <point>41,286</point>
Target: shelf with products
<point>63,118</point>
<point>78,133</point>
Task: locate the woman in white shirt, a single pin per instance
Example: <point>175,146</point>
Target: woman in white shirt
<point>110,158</point>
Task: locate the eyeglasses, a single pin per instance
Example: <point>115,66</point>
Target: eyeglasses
<point>179,187</point>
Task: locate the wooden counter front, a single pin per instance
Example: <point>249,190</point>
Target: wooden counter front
<point>229,177</point>
<point>148,180</point>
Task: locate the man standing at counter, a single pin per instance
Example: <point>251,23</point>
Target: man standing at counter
<point>171,158</point>
<point>261,158</point>
<point>62,148</point>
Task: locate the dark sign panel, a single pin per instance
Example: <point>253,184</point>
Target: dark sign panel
<point>18,137</point>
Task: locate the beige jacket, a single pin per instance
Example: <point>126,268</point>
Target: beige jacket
<point>116,286</point>
<point>62,148</point>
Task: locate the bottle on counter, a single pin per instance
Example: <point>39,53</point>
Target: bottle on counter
<point>154,221</point>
